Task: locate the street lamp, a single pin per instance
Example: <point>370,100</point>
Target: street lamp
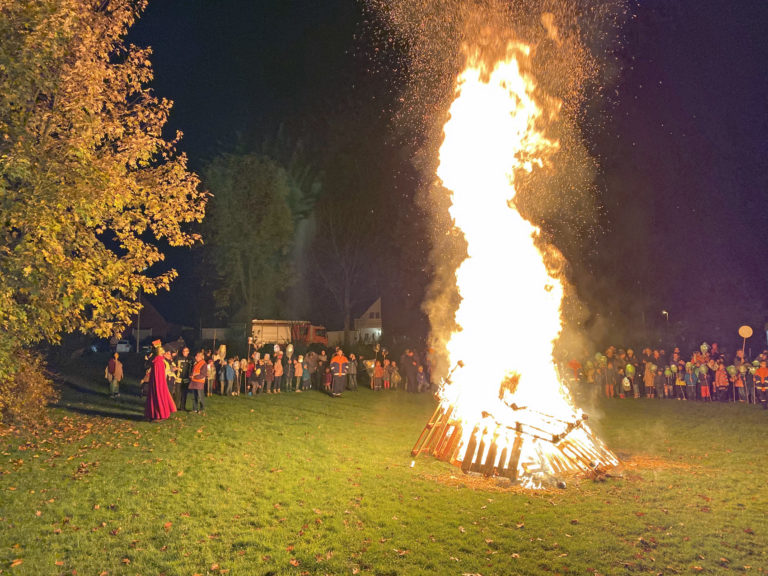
<point>666,316</point>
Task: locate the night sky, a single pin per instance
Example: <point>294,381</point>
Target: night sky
<point>681,144</point>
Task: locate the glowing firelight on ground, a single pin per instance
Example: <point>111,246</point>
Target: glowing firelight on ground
<point>506,406</point>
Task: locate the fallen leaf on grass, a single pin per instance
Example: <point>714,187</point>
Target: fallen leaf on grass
<point>167,526</point>
<point>294,562</point>
<point>461,529</point>
<point>16,562</point>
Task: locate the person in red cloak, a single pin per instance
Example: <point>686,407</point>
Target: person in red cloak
<point>159,405</point>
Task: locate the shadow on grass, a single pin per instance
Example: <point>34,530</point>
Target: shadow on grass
<point>135,416</point>
<point>82,396</point>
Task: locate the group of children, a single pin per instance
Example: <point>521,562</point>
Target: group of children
<point>281,371</point>
<point>706,375</point>
<point>273,373</point>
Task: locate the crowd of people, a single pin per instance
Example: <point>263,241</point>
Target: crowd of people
<point>172,376</point>
<point>707,374</point>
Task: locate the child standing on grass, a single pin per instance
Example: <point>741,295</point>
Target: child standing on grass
<point>626,385</point>
<point>114,374</point>
<point>327,379</point>
<point>704,384</point>
<point>278,365</point>
<point>269,374</point>
<point>377,382</point>
<point>242,383</point>
<point>210,379</point>
<point>352,373</point>
<point>387,373</point>
<point>690,382</point>
<point>395,378</point>
<point>259,376</point>
<point>306,375</point>
<point>229,376</point>
<point>659,381</point>
<point>421,380</point>
<point>679,385</point>
<point>298,373</point>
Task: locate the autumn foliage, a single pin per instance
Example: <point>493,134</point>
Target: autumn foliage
<point>25,395</point>
<point>90,190</point>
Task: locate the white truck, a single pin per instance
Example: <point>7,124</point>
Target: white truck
<point>286,331</point>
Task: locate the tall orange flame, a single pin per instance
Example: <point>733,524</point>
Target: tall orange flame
<point>510,310</point>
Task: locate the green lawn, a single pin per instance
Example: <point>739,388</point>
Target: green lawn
<point>306,484</point>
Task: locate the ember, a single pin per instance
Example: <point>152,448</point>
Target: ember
<point>506,412</point>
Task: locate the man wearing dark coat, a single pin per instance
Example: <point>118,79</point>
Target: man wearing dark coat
<point>411,368</point>
<point>183,371</point>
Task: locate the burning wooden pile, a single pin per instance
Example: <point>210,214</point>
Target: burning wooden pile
<point>531,448</point>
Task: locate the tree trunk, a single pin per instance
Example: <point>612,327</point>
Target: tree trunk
<point>347,311</point>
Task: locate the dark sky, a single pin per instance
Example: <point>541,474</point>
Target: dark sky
<point>684,167</point>
<point>682,151</point>
<point>243,66</point>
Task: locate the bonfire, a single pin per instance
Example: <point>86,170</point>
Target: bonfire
<point>504,410</point>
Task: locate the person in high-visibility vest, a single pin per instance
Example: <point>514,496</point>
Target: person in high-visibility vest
<point>761,384</point>
<point>197,382</point>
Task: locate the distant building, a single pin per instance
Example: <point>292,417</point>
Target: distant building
<point>149,323</point>
<point>366,328</point>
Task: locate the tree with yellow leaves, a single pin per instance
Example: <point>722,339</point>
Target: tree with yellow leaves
<point>90,190</point>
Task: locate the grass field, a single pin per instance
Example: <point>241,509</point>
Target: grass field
<point>306,484</point>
